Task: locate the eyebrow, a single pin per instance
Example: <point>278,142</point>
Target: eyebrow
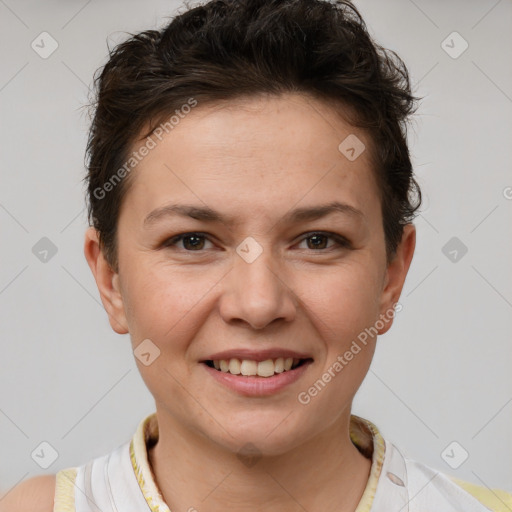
<point>207,214</point>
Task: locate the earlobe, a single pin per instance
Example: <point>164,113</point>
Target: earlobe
<point>107,282</point>
<point>395,275</point>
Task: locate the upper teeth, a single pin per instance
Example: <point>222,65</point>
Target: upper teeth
<point>265,368</point>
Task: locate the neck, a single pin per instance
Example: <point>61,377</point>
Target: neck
<point>326,473</point>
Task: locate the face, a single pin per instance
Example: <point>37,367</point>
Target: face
<point>276,252</point>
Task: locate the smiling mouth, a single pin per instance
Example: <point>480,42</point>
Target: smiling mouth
<point>248,367</point>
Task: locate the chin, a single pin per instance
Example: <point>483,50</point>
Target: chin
<point>268,433</point>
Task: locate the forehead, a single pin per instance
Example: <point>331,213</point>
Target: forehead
<point>255,154</point>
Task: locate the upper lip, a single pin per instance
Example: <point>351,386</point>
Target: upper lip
<point>257,355</point>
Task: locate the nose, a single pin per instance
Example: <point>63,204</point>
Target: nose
<point>256,294</point>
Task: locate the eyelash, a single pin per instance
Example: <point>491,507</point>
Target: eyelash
<point>341,241</point>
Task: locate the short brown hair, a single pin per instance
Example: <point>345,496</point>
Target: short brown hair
<point>227,49</point>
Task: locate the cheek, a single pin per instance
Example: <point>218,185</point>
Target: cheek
<point>343,301</point>
<point>168,306</point>
<point>165,302</point>
<point>343,304</point>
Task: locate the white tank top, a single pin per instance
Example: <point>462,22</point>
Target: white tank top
<point>122,480</point>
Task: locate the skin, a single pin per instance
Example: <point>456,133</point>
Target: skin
<point>33,495</point>
<point>254,159</point>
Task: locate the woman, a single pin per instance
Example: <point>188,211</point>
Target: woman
<point>251,200</point>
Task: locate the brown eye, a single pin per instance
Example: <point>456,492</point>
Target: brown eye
<point>317,241</point>
<point>191,241</point>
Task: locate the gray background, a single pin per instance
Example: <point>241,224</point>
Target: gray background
<point>442,373</point>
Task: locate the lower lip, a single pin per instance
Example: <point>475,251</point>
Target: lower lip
<point>257,386</point>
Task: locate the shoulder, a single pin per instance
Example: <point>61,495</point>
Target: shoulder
<point>426,488</point>
<point>33,495</point>
<point>438,487</point>
<point>496,500</point>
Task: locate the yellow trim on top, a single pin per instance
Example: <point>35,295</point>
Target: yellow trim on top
<point>64,499</point>
<point>357,429</point>
<point>147,429</point>
<point>363,433</point>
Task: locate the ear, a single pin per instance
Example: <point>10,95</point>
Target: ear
<point>107,282</point>
<point>395,275</point>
